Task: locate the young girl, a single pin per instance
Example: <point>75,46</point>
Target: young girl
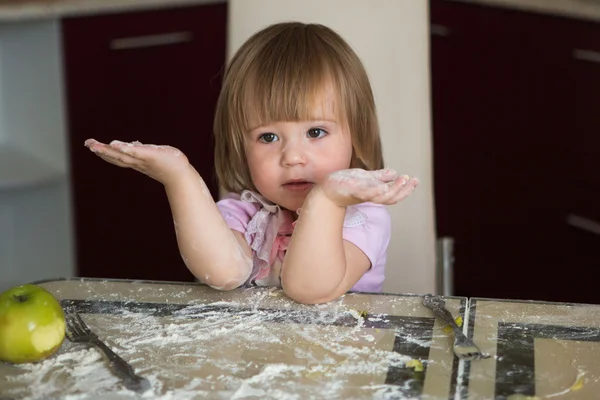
<point>298,148</point>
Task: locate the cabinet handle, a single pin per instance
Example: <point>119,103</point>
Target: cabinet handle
<point>138,42</point>
<point>583,223</point>
<point>587,55</point>
<point>439,30</point>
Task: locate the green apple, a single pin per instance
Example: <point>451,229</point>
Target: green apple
<point>32,324</point>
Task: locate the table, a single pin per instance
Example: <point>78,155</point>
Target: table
<point>191,342</point>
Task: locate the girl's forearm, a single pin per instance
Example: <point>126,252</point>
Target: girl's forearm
<point>207,245</point>
<point>315,262</point>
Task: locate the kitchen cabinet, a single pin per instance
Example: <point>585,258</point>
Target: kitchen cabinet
<point>152,76</point>
<point>515,99</point>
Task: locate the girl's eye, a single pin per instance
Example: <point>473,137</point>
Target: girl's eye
<point>268,138</point>
<point>316,133</point>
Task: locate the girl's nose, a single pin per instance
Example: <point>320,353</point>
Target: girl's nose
<point>293,155</point>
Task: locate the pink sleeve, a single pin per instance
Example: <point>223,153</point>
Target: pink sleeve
<point>373,235</point>
<point>236,213</point>
<point>368,226</point>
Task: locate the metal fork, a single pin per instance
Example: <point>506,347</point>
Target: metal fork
<point>79,332</point>
<point>464,348</point>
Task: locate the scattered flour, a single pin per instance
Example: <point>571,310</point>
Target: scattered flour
<point>217,351</point>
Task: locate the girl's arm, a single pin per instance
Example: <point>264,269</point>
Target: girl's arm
<point>214,253</point>
<point>319,265</point>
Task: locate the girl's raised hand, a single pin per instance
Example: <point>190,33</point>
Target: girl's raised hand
<point>353,186</point>
<point>163,163</point>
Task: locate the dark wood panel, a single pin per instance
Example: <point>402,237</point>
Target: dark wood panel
<point>163,94</point>
<point>506,103</point>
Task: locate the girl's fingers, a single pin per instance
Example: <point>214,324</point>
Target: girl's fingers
<point>394,188</point>
<point>90,142</point>
<point>399,190</point>
<point>381,186</point>
<point>114,156</point>
<point>404,192</point>
<point>131,149</point>
<point>96,146</point>
<point>385,198</point>
<point>371,190</point>
<point>386,175</point>
<point>117,151</point>
<point>146,152</point>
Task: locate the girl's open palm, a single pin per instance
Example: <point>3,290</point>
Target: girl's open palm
<point>353,186</point>
<point>163,163</point>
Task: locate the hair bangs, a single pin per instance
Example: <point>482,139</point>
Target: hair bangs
<point>293,84</point>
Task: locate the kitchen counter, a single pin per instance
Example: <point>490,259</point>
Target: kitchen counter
<point>19,10</point>
<point>191,341</point>
<point>579,9</point>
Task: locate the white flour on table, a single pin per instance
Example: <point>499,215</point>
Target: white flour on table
<point>223,354</point>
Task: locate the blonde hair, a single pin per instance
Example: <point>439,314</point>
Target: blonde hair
<point>277,75</point>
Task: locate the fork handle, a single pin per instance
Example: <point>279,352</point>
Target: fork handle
<point>444,314</point>
<point>122,369</point>
<point>447,317</point>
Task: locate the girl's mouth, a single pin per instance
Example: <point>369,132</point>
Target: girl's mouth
<point>298,186</point>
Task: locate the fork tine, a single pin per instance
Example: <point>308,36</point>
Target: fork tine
<point>75,326</point>
<point>83,325</point>
<point>69,321</point>
<point>69,329</point>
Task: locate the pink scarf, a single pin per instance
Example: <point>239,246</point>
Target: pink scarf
<point>268,233</point>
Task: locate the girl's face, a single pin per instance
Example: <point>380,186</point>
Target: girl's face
<point>287,158</point>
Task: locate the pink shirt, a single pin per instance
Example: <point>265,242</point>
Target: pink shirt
<point>267,229</point>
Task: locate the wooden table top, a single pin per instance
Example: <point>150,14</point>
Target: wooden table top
<point>191,341</point>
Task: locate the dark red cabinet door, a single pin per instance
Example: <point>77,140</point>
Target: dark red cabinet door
<point>581,145</point>
<point>502,118</point>
<point>151,76</point>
